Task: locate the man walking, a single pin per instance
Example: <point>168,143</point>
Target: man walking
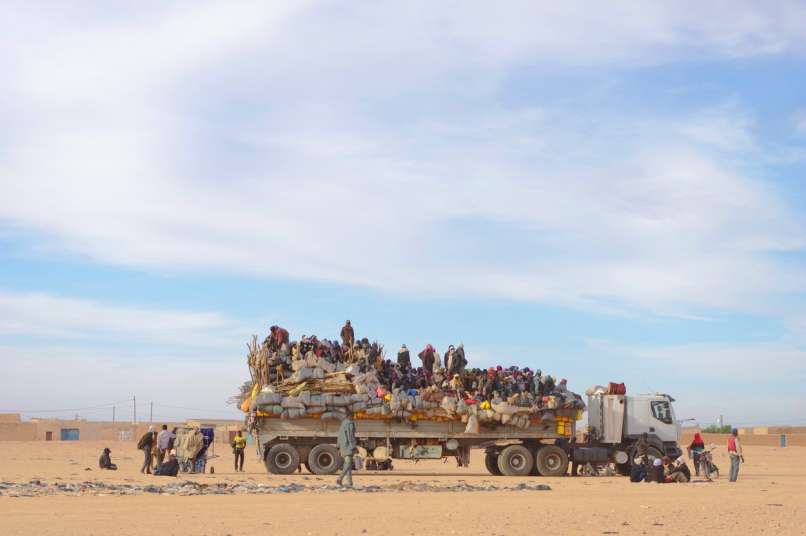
<point>735,453</point>
<point>238,447</point>
<point>145,444</point>
<point>347,447</point>
<point>163,444</point>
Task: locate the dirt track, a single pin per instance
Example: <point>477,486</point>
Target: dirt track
<point>770,498</point>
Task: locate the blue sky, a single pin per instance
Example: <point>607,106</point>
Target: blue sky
<point>606,194</point>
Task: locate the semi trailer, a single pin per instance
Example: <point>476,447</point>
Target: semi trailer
<point>545,447</point>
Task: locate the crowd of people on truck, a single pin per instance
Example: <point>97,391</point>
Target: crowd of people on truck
<point>448,371</point>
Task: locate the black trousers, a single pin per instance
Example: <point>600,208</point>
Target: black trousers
<point>238,456</point>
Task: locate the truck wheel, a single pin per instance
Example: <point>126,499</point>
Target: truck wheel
<point>552,461</point>
<point>324,459</point>
<point>282,459</point>
<point>535,471</point>
<point>491,462</point>
<point>515,460</point>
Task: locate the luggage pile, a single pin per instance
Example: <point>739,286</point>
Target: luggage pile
<point>310,380</point>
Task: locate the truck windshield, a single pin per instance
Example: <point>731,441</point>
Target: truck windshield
<point>662,411</point>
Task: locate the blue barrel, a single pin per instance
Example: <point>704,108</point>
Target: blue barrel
<point>783,440</point>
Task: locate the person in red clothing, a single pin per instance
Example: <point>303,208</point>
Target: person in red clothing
<point>277,337</point>
<point>735,453</point>
<point>696,448</point>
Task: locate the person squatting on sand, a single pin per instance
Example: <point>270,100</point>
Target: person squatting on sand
<point>105,461</point>
<point>168,468</point>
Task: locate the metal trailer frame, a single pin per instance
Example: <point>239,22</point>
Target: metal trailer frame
<point>538,449</point>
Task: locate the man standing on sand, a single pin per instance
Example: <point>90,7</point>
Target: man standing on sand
<point>238,447</point>
<point>145,444</point>
<point>735,452</point>
<point>347,447</point>
<point>163,444</point>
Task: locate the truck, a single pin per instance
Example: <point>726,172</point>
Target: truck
<point>545,447</point>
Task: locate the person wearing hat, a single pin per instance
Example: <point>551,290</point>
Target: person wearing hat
<point>105,461</point>
<point>735,453</point>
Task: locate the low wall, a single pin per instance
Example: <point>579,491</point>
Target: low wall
<point>51,430</point>
<point>769,440</point>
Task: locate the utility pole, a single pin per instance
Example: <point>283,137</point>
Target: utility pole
<point>134,409</point>
<point>151,413</point>
<point>113,414</point>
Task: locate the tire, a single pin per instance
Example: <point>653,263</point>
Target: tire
<point>515,460</point>
<point>535,471</point>
<point>491,462</point>
<point>324,459</point>
<point>552,461</point>
<point>282,459</point>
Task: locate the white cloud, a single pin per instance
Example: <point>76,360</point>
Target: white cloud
<point>46,316</point>
<point>323,143</point>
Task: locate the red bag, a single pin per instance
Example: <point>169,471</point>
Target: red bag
<point>616,389</point>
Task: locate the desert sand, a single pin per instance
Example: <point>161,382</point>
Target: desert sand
<point>770,498</point>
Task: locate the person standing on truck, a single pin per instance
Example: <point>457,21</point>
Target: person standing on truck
<point>696,448</point>
<point>238,447</point>
<point>145,444</point>
<point>347,448</point>
<point>427,358</point>
<point>347,335</point>
<point>735,453</point>
<point>403,358</point>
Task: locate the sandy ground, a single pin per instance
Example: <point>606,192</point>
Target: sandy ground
<point>770,498</point>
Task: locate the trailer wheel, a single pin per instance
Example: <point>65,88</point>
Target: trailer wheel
<point>282,459</point>
<point>535,471</point>
<point>515,460</point>
<point>552,461</point>
<point>491,462</point>
<point>324,459</point>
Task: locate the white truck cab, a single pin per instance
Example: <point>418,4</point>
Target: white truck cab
<point>616,422</point>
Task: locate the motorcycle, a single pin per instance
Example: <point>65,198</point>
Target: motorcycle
<point>708,468</point>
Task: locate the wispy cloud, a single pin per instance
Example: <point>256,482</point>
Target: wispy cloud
<point>54,317</point>
<point>297,140</point>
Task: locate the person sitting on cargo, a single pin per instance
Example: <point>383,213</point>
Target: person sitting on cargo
<point>105,461</point>
<point>676,471</point>
<point>168,468</point>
